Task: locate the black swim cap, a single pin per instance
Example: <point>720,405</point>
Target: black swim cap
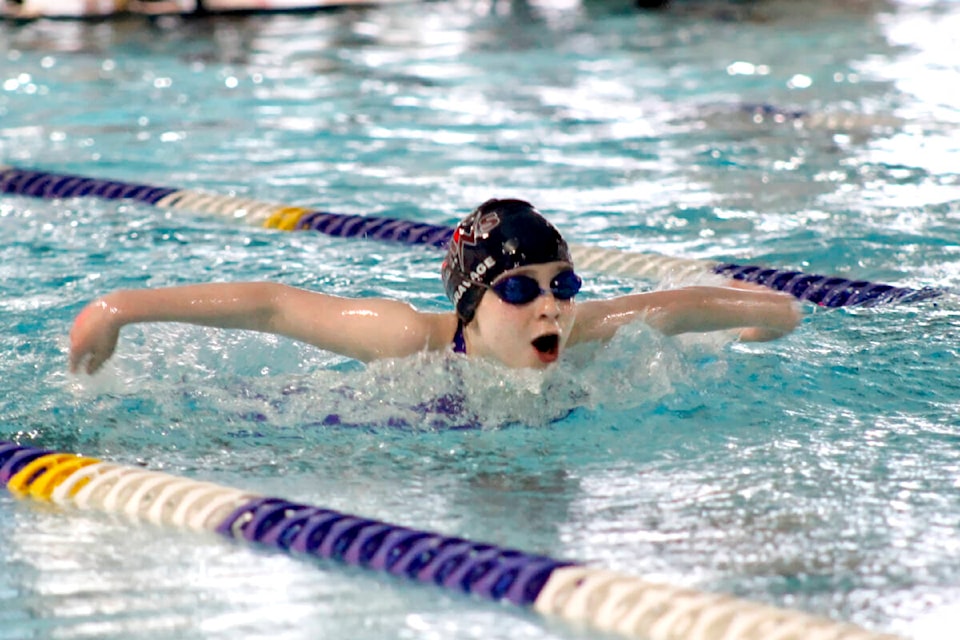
<point>498,236</point>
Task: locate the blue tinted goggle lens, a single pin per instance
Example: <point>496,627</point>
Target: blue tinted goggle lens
<point>524,289</point>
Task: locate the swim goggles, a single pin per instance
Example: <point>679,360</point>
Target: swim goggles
<point>521,289</point>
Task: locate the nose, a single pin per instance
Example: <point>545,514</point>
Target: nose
<point>547,304</point>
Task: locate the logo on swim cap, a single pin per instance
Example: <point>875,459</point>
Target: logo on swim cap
<point>469,232</point>
<point>497,236</point>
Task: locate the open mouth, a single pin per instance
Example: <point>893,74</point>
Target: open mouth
<point>548,346</point>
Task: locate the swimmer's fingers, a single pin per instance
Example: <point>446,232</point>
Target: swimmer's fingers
<point>89,363</point>
<point>760,334</point>
<point>93,339</point>
<point>746,286</point>
<point>87,358</point>
<point>75,359</point>
<point>785,317</point>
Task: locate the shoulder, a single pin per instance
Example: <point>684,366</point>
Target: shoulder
<point>442,327</point>
<point>600,319</point>
<point>362,328</point>
<point>591,317</point>
<point>412,330</point>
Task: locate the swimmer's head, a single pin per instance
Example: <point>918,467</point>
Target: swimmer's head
<point>498,236</point>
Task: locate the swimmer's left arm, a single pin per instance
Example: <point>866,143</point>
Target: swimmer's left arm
<point>760,314</point>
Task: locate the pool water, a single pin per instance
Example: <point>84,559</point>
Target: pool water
<point>818,472</point>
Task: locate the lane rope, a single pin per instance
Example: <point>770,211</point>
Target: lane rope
<point>605,600</point>
<point>822,290</point>
<point>30,9</point>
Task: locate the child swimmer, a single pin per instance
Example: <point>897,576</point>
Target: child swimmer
<point>505,248</point>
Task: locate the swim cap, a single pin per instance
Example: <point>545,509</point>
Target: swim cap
<point>498,236</point>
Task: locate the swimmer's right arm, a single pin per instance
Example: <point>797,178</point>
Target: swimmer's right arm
<point>362,328</point>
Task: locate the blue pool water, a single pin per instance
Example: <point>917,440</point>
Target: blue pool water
<point>818,472</point>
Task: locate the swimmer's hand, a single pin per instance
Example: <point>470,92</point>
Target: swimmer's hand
<point>762,334</point>
<point>784,320</point>
<point>93,337</point>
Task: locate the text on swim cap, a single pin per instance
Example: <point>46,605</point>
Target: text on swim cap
<point>474,275</point>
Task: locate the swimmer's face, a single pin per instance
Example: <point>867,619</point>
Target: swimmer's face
<point>530,335</point>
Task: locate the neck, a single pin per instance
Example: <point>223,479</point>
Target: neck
<point>470,339</point>
<point>459,338</point>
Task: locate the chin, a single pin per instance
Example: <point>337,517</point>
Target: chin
<point>537,365</point>
<point>536,361</point>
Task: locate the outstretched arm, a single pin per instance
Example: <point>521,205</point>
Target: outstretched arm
<point>366,328</point>
<point>760,314</point>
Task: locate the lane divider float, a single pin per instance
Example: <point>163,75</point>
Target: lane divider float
<point>31,9</point>
<point>822,290</point>
<point>605,600</point>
